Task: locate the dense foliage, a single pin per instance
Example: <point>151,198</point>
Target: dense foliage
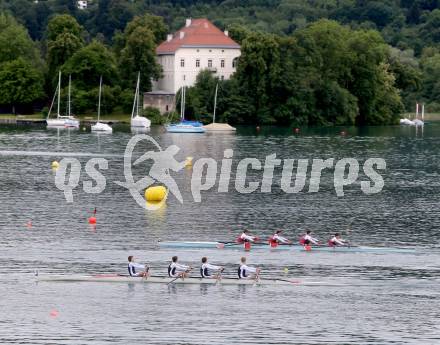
<point>303,61</point>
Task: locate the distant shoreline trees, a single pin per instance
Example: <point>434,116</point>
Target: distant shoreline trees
<point>311,71</point>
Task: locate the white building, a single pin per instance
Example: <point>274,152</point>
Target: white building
<point>82,4</point>
<point>197,46</point>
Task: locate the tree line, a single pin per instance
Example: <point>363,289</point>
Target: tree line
<point>367,64</point>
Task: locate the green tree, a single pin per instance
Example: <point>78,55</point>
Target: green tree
<point>89,63</point>
<point>64,38</point>
<point>139,55</point>
<point>20,83</point>
<point>15,42</point>
<point>154,23</point>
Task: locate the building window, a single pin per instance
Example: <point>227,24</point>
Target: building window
<point>209,63</point>
<point>184,77</point>
<point>222,63</point>
<point>197,63</point>
<point>234,63</point>
<point>166,108</point>
<point>182,62</point>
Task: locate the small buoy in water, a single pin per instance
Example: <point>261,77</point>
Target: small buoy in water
<point>296,130</point>
<point>286,270</point>
<point>188,161</point>
<point>155,193</point>
<point>54,313</point>
<point>92,220</point>
<point>247,246</point>
<point>343,133</point>
<point>308,248</point>
<point>55,165</point>
<point>257,128</point>
<point>29,224</point>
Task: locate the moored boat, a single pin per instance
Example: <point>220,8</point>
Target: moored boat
<point>100,126</point>
<point>138,121</point>
<point>62,121</point>
<point>184,126</point>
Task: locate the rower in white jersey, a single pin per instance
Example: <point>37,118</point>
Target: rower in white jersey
<point>247,237</point>
<point>278,238</point>
<point>176,270</point>
<point>207,269</point>
<point>308,239</point>
<point>247,272</point>
<point>336,240</point>
<point>135,269</point>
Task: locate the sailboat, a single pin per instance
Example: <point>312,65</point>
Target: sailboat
<point>218,127</point>
<point>62,121</point>
<point>99,126</point>
<point>136,120</point>
<point>416,121</point>
<point>185,126</point>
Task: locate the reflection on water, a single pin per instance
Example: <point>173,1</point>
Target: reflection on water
<point>364,298</point>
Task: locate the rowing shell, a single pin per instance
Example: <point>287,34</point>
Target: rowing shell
<point>114,278</point>
<point>296,247</point>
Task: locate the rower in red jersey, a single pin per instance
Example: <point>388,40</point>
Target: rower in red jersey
<point>277,238</point>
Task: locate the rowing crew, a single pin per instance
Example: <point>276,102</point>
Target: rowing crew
<point>178,270</point>
<point>277,238</point>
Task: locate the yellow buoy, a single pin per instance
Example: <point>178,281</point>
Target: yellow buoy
<point>286,270</point>
<point>55,165</point>
<point>156,193</point>
<point>188,161</point>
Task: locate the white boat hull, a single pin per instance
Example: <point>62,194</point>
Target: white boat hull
<point>113,278</point>
<point>101,127</point>
<point>219,127</point>
<point>178,128</point>
<point>140,122</point>
<point>63,121</point>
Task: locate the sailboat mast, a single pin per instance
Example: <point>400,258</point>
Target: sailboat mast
<point>135,99</point>
<point>68,100</point>
<point>59,93</point>
<point>99,98</point>
<point>215,103</point>
<point>138,94</point>
<point>184,102</point>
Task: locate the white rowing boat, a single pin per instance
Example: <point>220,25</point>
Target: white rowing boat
<point>292,247</point>
<point>114,278</point>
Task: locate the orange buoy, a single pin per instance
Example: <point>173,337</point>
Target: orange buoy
<point>29,224</point>
<point>247,246</point>
<point>308,248</point>
<point>92,220</point>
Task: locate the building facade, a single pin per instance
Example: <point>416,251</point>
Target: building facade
<point>197,46</point>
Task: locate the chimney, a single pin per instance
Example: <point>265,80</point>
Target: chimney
<point>188,22</point>
<point>182,34</point>
<point>169,37</point>
<point>226,33</point>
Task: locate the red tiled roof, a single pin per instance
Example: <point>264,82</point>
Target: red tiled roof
<point>200,33</point>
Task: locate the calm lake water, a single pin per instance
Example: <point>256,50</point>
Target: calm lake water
<point>388,298</point>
